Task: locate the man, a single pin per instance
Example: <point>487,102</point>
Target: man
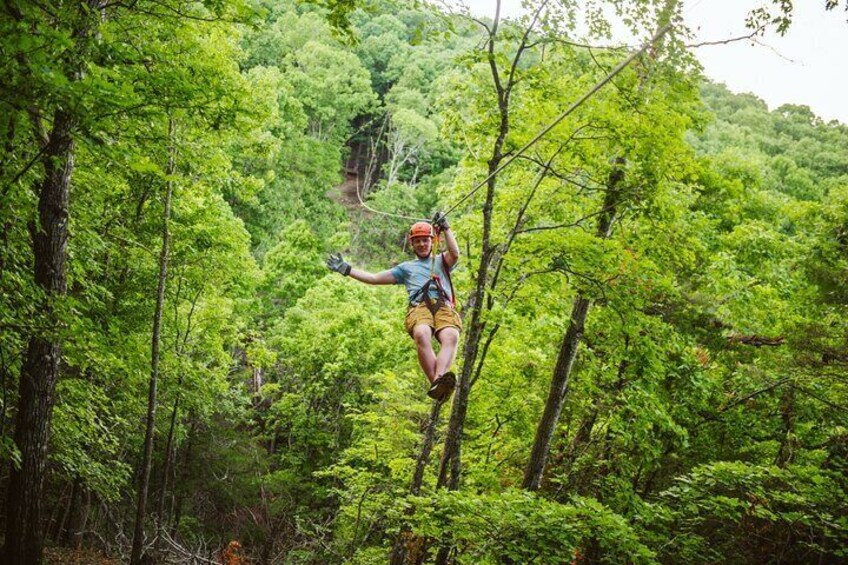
<point>431,309</point>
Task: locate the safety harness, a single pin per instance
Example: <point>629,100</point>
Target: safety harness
<point>435,280</point>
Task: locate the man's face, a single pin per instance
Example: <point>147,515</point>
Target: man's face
<point>421,246</point>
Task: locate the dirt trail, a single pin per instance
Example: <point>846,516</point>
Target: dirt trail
<point>345,194</point>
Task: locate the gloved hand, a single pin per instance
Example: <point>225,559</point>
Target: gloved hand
<point>337,264</point>
<point>440,220</point>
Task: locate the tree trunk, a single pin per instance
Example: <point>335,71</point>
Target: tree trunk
<point>146,463</point>
<point>64,532</point>
<point>77,515</point>
<point>81,521</point>
<point>450,467</point>
<point>185,475</point>
<point>257,376</point>
<point>566,459</point>
<point>451,454</point>
<point>400,550</point>
<point>583,435</point>
<point>565,362</point>
<point>568,350</point>
<point>40,370</point>
<point>166,466</point>
<point>606,463</point>
<point>56,524</point>
<point>426,448</point>
<point>556,394</point>
<point>170,450</point>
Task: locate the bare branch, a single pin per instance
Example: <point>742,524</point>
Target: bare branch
<point>483,354</point>
<point>598,47</point>
<point>754,394</point>
<point>520,218</point>
<point>749,36</point>
<point>523,46</point>
<point>775,51</point>
<point>482,24</point>
<point>23,171</point>
<point>576,223</point>
<point>814,395</point>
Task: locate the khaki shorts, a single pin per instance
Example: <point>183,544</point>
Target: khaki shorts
<point>446,317</point>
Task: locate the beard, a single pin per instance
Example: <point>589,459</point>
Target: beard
<point>421,255</point>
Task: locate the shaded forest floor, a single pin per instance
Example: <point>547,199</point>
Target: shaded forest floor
<point>65,556</point>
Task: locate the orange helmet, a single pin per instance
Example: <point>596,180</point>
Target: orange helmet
<point>420,229</point>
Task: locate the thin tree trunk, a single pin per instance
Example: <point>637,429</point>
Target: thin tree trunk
<point>426,448</point>
<point>581,439</point>
<point>399,550</point>
<point>169,445</point>
<point>146,463</point>
<point>40,371</point>
<point>65,529</point>
<point>450,467</point>
<point>606,464</point>
<point>56,524</point>
<point>568,349</point>
<point>166,467</point>
<point>185,475</point>
<point>77,516</point>
<point>451,455</point>
<point>256,382</point>
<point>81,521</point>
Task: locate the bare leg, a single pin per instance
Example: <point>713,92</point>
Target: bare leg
<point>449,338</point>
<point>423,336</point>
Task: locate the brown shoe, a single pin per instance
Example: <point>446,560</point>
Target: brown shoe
<point>442,387</point>
<point>434,390</point>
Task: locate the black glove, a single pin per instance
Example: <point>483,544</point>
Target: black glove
<point>440,220</point>
<point>337,264</point>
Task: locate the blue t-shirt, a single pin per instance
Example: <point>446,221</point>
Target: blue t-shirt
<point>414,274</point>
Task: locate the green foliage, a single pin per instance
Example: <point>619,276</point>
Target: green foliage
<point>87,432</point>
<point>828,265</point>
<point>292,266</point>
<point>736,513</point>
<point>704,417</point>
<point>521,527</point>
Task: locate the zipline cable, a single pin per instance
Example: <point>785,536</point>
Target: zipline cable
<point>612,74</point>
<point>391,215</point>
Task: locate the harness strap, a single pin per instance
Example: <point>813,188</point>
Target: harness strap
<point>435,280</point>
<point>450,283</point>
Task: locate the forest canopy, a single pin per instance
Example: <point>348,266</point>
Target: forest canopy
<point>653,295</point>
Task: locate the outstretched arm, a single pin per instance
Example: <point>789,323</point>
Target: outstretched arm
<point>338,264</point>
<point>384,277</point>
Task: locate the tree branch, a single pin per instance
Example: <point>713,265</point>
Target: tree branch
<point>750,36</point>
<point>811,394</point>
<point>574,224</point>
<point>756,340</point>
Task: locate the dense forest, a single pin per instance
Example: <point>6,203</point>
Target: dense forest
<point>653,362</point>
